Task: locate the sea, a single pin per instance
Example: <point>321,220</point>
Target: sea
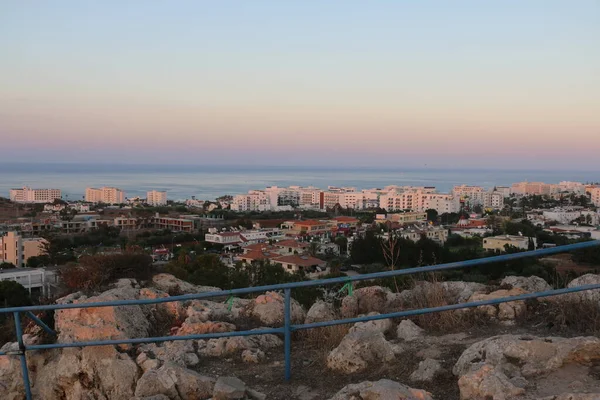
<point>209,182</point>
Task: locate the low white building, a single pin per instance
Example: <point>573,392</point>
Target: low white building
<point>499,243</point>
<point>567,215</point>
<point>31,279</point>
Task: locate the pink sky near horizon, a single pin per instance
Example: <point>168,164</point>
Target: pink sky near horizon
<point>512,86</point>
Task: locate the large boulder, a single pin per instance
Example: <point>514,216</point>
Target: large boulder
<point>174,286</point>
<point>487,383</point>
<point>180,352</point>
<point>198,328</point>
<point>530,284</point>
<point>97,323</point>
<point>321,311</point>
<point>383,389</point>
<point>586,295</point>
<point>269,309</point>
<point>175,382</point>
<point>91,372</point>
<point>526,357</point>
<point>173,309</point>
<point>409,331</point>
<point>229,388</point>
<point>377,325</point>
<point>427,370</point>
<point>359,350</point>
<point>365,300</point>
<point>506,312</point>
<point>207,310</point>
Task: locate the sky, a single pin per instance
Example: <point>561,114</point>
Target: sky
<point>462,83</point>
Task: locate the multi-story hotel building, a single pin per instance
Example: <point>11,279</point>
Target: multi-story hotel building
<point>108,195</point>
<point>156,198</point>
<point>17,250</point>
<point>28,195</point>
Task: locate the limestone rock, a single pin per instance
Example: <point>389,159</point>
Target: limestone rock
<point>268,309</point>
<point>175,382</point>
<point>448,292</point>
<point>503,311</point>
<point>427,370</point>
<point>359,350</point>
<point>383,389</point>
<point>173,286</point>
<point>229,388</point>
<point>91,372</point>
<point>365,300</point>
<point>180,352</point>
<point>253,356</point>
<point>97,323</point>
<point>378,325</point>
<point>527,356</point>
<point>197,328</point>
<point>586,295</point>
<point>207,310</point>
<point>529,284</point>
<point>487,383</point>
<point>409,331</point>
<point>321,311</point>
<point>226,346</point>
<point>174,309</point>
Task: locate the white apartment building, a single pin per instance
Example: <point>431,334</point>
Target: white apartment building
<point>28,195</point>
<point>107,195</point>
<point>283,196</point>
<point>566,215</point>
<point>573,187</point>
<point>156,198</point>
<point>419,200</point>
<point>476,195</point>
<point>16,249</point>
<point>255,200</point>
<point>595,195</point>
<point>504,190</point>
<point>530,188</point>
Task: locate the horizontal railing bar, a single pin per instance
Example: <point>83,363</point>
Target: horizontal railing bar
<point>421,311</point>
<point>157,339</point>
<point>311,283</point>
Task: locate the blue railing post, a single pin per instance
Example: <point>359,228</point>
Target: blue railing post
<point>287,312</point>
<point>22,356</point>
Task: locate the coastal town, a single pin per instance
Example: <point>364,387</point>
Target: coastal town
<point>300,228</point>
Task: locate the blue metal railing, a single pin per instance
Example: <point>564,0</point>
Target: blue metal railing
<point>287,328</point>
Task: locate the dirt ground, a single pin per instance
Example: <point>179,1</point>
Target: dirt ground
<point>311,380</point>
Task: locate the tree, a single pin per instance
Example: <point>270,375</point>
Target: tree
<point>391,253</point>
<point>38,261</point>
<point>313,248</point>
<point>67,214</point>
<point>342,241</point>
<point>432,215</point>
<point>13,294</point>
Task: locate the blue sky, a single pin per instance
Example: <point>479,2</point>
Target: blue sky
<point>293,82</point>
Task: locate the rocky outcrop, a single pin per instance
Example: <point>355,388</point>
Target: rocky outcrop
<point>206,310</point>
<point>530,284</point>
<point>321,311</point>
<point>91,372</point>
<point>423,294</point>
<point>269,310</point>
<point>502,365</point>
<point>359,350</point>
<point>409,331</point>
<point>506,312</point>
<point>87,324</point>
<point>383,389</point>
<point>181,352</point>
<point>227,346</point>
<point>253,356</point>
